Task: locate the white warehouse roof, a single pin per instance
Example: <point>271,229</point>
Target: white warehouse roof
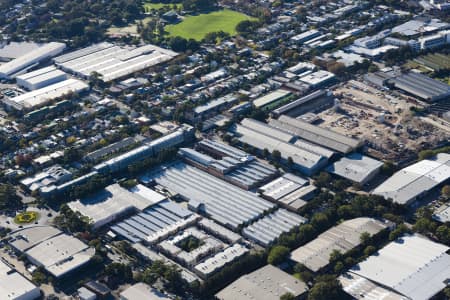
<point>356,167</point>
<point>41,78</point>
<point>412,266</point>
<point>17,65</point>
<point>14,286</point>
<point>40,96</point>
<point>408,184</point>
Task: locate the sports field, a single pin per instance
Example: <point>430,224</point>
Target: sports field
<point>196,27</point>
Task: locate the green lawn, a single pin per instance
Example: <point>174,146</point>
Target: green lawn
<point>196,27</point>
<point>149,6</point>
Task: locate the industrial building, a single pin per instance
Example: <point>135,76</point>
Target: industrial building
<point>211,109</point>
<point>318,79</point>
<point>305,36</point>
<point>51,176</point>
<point>356,167</point>
<point>14,286</point>
<point>271,98</point>
<point>266,230</point>
<point>43,95</point>
<point>112,61</point>
<point>40,78</point>
<point>305,158</point>
<point>221,201</point>
<point>58,253</point>
<point>315,255</point>
<point>421,86</point>
<point>411,266</point>
<point>409,184</point>
<point>19,65</point>
<point>314,102</point>
<point>442,213</point>
<point>266,283</point>
<point>317,135</point>
<point>236,166</point>
<point>282,186</point>
<point>223,258</point>
<point>114,201</point>
<point>141,291</point>
<point>156,223</point>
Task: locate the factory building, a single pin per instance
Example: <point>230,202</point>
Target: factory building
<point>411,267</point>
<point>421,86</point>
<point>315,255</point>
<point>318,79</point>
<point>111,61</point>
<point>14,286</point>
<point>266,230</point>
<point>211,109</point>
<point>356,167</point>
<point>43,95</point>
<point>271,99</point>
<point>317,135</point>
<point>306,157</point>
<point>47,247</point>
<point>409,184</point>
<point>238,168</point>
<point>40,78</point>
<point>266,283</point>
<point>19,65</point>
<point>221,201</point>
<point>305,36</point>
<point>314,102</point>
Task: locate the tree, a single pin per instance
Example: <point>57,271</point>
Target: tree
<point>287,296</point>
<point>247,26</point>
<point>277,255</point>
<point>178,44</point>
<point>335,255</point>
<point>276,155</point>
<point>364,238</point>
<point>369,250</point>
<point>8,197</point>
<point>328,289</point>
<point>446,191</point>
<point>338,267</point>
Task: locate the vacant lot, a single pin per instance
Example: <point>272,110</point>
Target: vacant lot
<point>196,27</point>
<point>148,6</point>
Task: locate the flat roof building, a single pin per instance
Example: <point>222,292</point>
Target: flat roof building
<point>14,286</point>
<point>421,86</point>
<point>271,98</point>
<point>112,61</point>
<point>141,291</point>
<point>43,95</point>
<point>316,254</point>
<point>313,102</point>
<point>266,283</point>
<point>35,56</point>
<point>52,249</point>
<point>356,167</point>
<point>317,135</point>
<point>412,266</point>
<point>318,79</point>
<point>410,183</point>
<point>41,78</point>
<point>280,187</point>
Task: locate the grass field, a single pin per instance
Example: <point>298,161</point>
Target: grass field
<point>196,27</point>
<point>149,6</point>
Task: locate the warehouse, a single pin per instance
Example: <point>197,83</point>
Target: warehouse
<point>305,36</point>
<point>141,291</point>
<point>421,268</point>
<point>40,78</point>
<point>114,201</point>
<point>111,61</point>
<point>356,167</point>
<point>317,135</point>
<point>220,200</point>
<point>266,283</point>
<point>52,249</point>
<point>318,79</point>
<point>14,286</point>
<point>421,86</point>
<point>266,230</point>
<point>41,96</point>
<point>261,136</point>
<point>220,260</point>
<point>316,254</point>
<point>282,186</point>
<point>32,58</point>
<point>246,171</point>
<point>409,184</point>
<point>271,98</point>
<point>314,102</point>
<point>211,109</point>
<point>51,176</point>
<point>155,223</point>
<point>299,198</point>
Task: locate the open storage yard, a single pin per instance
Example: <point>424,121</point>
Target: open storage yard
<point>196,27</point>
